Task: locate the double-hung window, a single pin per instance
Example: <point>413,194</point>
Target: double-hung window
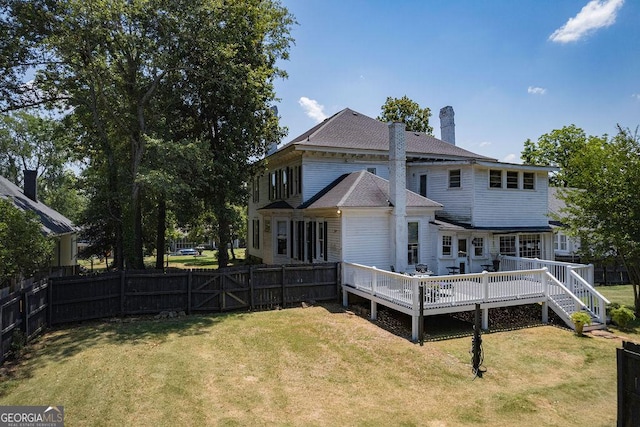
<point>413,243</point>
<point>454,178</point>
<point>447,245</point>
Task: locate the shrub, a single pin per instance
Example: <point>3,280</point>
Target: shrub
<point>622,316</point>
<point>580,319</point>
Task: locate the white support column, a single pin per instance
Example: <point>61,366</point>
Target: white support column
<point>345,297</point>
<point>374,310</point>
<point>485,286</point>
<point>545,290</point>
<point>485,319</point>
<point>415,317</point>
<point>414,327</point>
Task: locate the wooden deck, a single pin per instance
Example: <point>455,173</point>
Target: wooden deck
<point>457,293</point>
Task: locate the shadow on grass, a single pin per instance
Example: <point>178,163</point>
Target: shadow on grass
<point>58,344</point>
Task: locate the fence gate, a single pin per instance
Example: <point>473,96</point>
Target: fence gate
<point>628,384</point>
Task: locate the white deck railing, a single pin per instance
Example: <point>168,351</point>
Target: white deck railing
<point>533,281</point>
<point>576,278</point>
<point>444,291</point>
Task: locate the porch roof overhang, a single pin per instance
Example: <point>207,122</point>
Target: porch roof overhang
<point>277,205</point>
<point>458,226</point>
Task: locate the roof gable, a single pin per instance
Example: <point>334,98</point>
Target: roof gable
<point>53,222</point>
<point>361,189</point>
<point>349,129</point>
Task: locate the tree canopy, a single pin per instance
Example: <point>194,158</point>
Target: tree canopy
<point>192,74</point>
<point>408,112</point>
<point>557,148</point>
<point>24,249</point>
<point>604,209</point>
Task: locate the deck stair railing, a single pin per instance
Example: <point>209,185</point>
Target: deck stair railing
<point>571,287</point>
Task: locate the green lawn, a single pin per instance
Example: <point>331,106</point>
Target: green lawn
<point>313,366</point>
<point>622,294</point>
<point>208,259</point>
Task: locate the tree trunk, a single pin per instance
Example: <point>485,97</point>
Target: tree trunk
<point>223,233</point>
<point>160,232</point>
<point>138,251</point>
<point>633,270</point>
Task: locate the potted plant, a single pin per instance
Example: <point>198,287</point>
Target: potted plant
<point>580,319</point>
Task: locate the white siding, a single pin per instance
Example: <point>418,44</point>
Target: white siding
<point>367,239</point>
<point>500,207</point>
<point>334,242</point>
<point>457,201</point>
<point>317,173</point>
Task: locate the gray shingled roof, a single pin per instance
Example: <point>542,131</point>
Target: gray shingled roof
<point>349,129</point>
<point>52,221</point>
<point>362,189</point>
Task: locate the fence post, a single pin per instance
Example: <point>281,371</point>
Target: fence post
<point>251,296</point>
<point>122,288</point>
<point>24,301</point>
<point>1,334</point>
<point>49,304</point>
<point>189,286</point>
<point>283,288</point>
<point>338,279</point>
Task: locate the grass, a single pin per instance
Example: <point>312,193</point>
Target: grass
<point>313,366</point>
<point>622,294</point>
<point>208,259</point>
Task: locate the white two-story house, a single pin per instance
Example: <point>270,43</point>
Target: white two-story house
<point>358,190</point>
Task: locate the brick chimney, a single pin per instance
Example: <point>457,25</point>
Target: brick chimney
<point>447,125</point>
<point>398,195</point>
<point>30,184</point>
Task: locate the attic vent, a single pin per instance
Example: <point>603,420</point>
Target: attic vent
<point>416,134</point>
<point>354,113</point>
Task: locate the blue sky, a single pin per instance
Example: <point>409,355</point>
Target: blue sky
<point>512,70</point>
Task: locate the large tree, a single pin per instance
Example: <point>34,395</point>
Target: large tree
<point>605,211</point>
<point>223,98</point>
<point>408,112</point>
<point>556,148</point>
<point>24,249</point>
<point>30,141</point>
<point>138,69</point>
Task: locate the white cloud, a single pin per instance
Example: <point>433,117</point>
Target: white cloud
<point>312,109</point>
<point>594,15</point>
<point>512,158</point>
<point>636,96</point>
<point>485,144</point>
<point>536,90</point>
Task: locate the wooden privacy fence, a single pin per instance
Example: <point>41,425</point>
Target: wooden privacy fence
<point>23,316</point>
<point>141,292</point>
<point>72,299</point>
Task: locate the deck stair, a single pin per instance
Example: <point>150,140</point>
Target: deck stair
<point>570,289</point>
<point>564,305</point>
<point>563,287</point>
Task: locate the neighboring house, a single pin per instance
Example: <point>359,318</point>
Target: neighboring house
<point>358,190</point>
<point>53,223</point>
<point>565,248</point>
